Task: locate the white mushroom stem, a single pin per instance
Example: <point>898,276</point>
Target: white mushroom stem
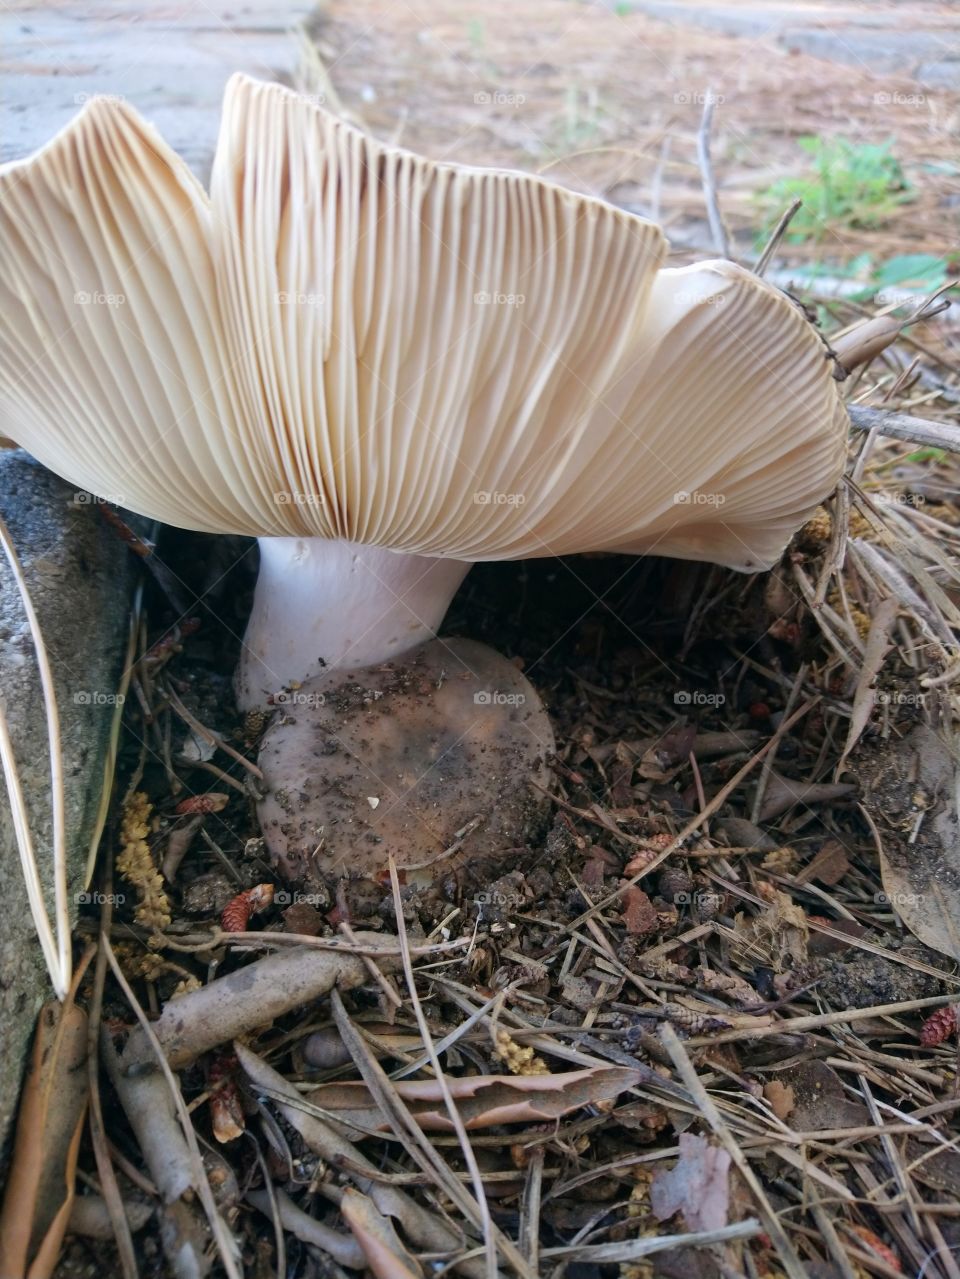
<point>321,603</point>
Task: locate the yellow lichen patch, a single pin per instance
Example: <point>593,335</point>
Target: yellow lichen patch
<point>519,1061</point>
<point>781,861</point>
<point>861,620</point>
<point>135,864</point>
<point>815,535</point>
<point>186,986</point>
<point>147,964</point>
<point>861,526</point>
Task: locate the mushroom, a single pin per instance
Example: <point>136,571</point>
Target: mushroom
<point>427,758</point>
<point>385,369</point>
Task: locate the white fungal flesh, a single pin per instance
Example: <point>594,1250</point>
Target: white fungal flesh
<point>322,603</point>
<point>347,341</point>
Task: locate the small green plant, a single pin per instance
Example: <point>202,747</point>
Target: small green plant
<point>914,270</point>
<point>881,281</point>
<point>582,113</point>
<point>849,184</point>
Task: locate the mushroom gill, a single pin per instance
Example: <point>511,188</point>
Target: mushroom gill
<point>385,369</point>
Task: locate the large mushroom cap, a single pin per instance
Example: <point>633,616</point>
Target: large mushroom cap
<point>347,341</point>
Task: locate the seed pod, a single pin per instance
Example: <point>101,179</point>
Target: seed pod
<point>226,1111</point>
<point>675,882</point>
<point>866,341</point>
<point>644,856</point>
<point>692,1022</point>
<point>940,1025</point>
<point>880,1250</point>
<point>213,802</point>
<point>237,912</point>
<point>707,905</point>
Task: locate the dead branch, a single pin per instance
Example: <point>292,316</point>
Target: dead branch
<point>429,1231</point>
<point>342,1248</point>
<point>256,995</point>
<point>898,426</point>
<point>718,229</point>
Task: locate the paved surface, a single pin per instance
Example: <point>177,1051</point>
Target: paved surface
<point>170,60</point>
<point>80,579</point>
<point>922,40</point>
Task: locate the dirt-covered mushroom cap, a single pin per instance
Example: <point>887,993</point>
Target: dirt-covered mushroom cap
<point>428,759</point>
<point>373,362</point>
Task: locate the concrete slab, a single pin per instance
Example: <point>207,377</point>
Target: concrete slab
<point>921,40</point>
<point>170,61</point>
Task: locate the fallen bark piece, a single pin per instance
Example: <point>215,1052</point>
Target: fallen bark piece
<point>90,1216</point>
<point>697,1186</point>
<point>342,1248</point>
<point>865,697</point>
<point>385,1254</point>
<point>783,792</point>
<point>829,866</point>
<point>226,1113</point>
<point>253,996</point>
<point>483,1101</point>
<point>905,780</point>
<point>40,1190</point>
